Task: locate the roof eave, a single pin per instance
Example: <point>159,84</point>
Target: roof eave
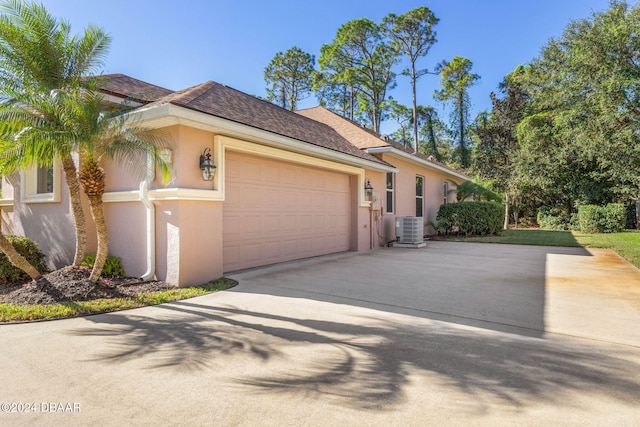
<point>417,160</point>
<point>164,115</point>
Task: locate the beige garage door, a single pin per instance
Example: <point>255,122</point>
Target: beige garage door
<point>276,211</point>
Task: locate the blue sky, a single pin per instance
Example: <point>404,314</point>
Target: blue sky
<point>177,44</point>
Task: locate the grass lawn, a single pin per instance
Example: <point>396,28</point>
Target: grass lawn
<point>626,244</point>
<point>21,313</point>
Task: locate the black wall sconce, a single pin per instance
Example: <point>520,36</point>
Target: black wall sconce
<point>207,168</point>
<point>368,190</point>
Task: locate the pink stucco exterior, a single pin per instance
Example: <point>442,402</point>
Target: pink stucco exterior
<point>405,191</point>
<point>274,198</point>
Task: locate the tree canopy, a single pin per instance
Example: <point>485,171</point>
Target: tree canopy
<point>456,79</point>
<point>289,77</point>
<point>412,35</point>
<point>566,132</point>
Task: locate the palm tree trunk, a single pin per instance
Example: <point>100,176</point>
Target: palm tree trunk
<point>73,184</point>
<point>97,211</point>
<point>93,182</point>
<point>16,259</point>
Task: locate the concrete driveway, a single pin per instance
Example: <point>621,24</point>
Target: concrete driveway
<point>452,334</point>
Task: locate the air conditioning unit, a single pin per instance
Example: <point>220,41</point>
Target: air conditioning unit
<point>410,230</point>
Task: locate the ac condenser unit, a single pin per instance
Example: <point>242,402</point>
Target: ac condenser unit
<point>410,230</point>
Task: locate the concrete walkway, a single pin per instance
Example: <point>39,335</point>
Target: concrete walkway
<point>452,334</point>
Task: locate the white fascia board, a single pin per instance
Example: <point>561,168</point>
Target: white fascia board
<point>406,156</point>
<point>164,194</point>
<point>169,114</point>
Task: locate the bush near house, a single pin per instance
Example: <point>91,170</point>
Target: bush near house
<point>611,218</point>
<point>112,267</point>
<point>554,218</point>
<point>28,249</point>
<point>470,218</point>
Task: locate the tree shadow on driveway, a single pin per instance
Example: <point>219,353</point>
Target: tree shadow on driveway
<point>368,362</point>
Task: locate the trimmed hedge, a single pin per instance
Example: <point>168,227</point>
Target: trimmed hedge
<point>470,218</point>
<point>611,218</point>
<point>28,249</point>
<point>553,218</point>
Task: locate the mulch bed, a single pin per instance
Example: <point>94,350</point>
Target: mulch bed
<point>73,284</point>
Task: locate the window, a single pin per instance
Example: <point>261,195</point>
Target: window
<point>6,195</point>
<point>41,184</point>
<point>419,195</point>
<point>445,192</point>
<point>44,180</point>
<point>390,178</point>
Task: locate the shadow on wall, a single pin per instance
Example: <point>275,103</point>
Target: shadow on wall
<point>54,233</point>
<point>366,364</point>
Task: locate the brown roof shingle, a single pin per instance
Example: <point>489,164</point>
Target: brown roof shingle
<point>224,102</point>
<point>123,86</point>
<point>360,136</point>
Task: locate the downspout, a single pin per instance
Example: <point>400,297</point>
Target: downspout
<point>151,222</point>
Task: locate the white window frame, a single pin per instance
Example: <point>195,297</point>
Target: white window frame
<point>421,196</point>
<point>29,186</point>
<point>391,192</point>
<point>5,189</point>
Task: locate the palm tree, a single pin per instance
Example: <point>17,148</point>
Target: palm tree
<point>38,57</point>
<point>103,137</point>
<point>45,125</point>
<point>16,259</point>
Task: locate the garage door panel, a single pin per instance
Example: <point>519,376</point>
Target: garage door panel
<point>276,211</point>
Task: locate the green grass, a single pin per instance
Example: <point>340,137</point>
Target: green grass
<point>530,237</point>
<point>21,313</point>
<point>626,244</point>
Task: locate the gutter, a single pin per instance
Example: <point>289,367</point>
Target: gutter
<point>412,158</point>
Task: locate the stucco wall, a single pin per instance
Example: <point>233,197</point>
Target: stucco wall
<point>371,218</point>
<point>405,191</point>
<point>49,224</point>
<point>188,241</point>
<point>126,228</point>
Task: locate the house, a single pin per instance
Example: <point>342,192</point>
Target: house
<point>418,187</point>
<point>287,186</point>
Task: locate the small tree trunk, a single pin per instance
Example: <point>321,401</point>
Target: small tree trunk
<point>638,210</point>
<point>414,111</point>
<point>73,184</point>
<point>16,259</point>
<point>97,211</point>
<point>506,211</point>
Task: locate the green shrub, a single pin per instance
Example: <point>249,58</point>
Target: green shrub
<point>112,267</point>
<point>470,218</point>
<point>602,219</point>
<point>28,249</point>
<point>553,218</point>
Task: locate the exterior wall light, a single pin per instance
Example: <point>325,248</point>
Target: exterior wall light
<point>207,168</point>
<point>368,189</point>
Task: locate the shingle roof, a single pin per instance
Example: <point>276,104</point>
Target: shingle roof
<point>360,136</point>
<point>123,86</point>
<point>356,134</point>
<point>224,102</point>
